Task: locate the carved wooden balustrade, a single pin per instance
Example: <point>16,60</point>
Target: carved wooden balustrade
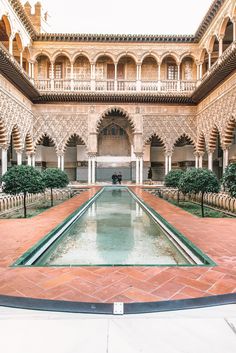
<point>115,86</point>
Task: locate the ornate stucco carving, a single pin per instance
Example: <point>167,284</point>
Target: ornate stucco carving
<point>14,114</point>
<point>60,127</point>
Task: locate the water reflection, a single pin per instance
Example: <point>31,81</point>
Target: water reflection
<point>116,192</point>
<point>114,230</point>
<point>115,233</point>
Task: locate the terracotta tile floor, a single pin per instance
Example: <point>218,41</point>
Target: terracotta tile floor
<point>215,237</point>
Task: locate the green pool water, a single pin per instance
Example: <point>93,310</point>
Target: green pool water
<point>114,230</point>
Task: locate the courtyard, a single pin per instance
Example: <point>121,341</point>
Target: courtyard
<point>117,177</point>
<point>215,237</point>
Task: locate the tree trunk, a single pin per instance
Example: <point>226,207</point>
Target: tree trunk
<point>51,198</point>
<point>178,196</point>
<point>202,204</point>
<point>25,215</point>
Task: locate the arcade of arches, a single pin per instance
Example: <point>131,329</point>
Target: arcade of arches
<point>119,141</point>
<point>95,105</point>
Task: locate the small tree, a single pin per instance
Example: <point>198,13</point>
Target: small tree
<point>229,179</point>
<point>22,179</point>
<point>172,180</point>
<point>54,178</point>
<point>199,181</point>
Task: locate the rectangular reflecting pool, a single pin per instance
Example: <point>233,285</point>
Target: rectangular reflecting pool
<point>114,228</point>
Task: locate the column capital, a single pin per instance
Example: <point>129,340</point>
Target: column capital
<point>92,154</point>
<point>30,154</point>
<point>139,154</point>
<point>225,148</point>
<point>168,153</point>
<point>20,150</point>
<point>210,150</point>
<point>4,147</point>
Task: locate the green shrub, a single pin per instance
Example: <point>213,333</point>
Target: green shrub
<point>199,181</point>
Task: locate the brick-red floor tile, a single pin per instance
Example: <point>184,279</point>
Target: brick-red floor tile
<point>215,237</point>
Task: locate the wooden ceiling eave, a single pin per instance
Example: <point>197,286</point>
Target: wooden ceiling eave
<point>13,72</point>
<point>224,67</point>
<point>113,97</point>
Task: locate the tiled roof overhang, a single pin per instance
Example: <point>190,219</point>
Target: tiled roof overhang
<point>117,97</point>
<point>210,15</point>
<point>68,37</point>
<point>21,14</point>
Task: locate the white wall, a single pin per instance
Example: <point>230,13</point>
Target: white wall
<point>184,153</point>
<point>157,154</point>
<point>45,154</point>
<point>82,153</point>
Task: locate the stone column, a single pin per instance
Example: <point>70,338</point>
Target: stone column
<point>58,161</point>
<point>52,76</point>
<point>234,29</point>
<point>21,58</point>
<point>89,170</point>
<point>93,83</point>
<point>200,71</point>
<point>159,76</point>
<point>29,70</point>
<point>4,160</point>
<point>210,161</point>
<point>196,161</point>
<point>33,160</point>
<point>72,76</point>
<point>32,68</point>
<point>169,162</point>
<point>141,169</point>
<point>29,159</point>
<point>62,162</point>
<point>178,77</point>
<point>166,163</point>
<point>220,46</point>
<point>19,157</point>
<point>209,61</point>
<point>93,169</point>
<point>137,170</point>
<point>115,83</point>
<point>138,78</point>
<point>11,44</point>
<point>200,161</point>
<point>225,158</point>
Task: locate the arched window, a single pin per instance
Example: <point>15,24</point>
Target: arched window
<point>172,71</point>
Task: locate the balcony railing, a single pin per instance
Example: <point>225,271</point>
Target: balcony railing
<point>115,86</point>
